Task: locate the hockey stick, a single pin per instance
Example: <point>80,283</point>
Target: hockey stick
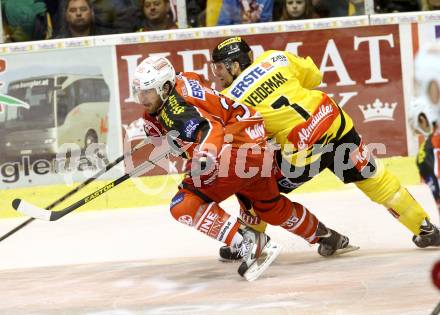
<point>436,310</point>
<point>48,215</point>
<point>79,187</point>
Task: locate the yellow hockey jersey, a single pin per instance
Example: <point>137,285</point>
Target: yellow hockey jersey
<point>279,85</point>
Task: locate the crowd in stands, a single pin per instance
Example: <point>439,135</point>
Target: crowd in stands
<point>25,20</point>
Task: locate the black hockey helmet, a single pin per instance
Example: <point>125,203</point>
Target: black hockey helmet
<point>232,49</point>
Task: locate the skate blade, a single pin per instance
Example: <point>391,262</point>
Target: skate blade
<point>349,248</point>
<point>229,261</point>
<point>269,254</point>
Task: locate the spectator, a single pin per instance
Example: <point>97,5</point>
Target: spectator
<point>213,8</point>
<point>110,16</point>
<point>115,16</point>
<point>428,5</point>
<point>79,19</point>
<point>391,6</point>
<point>336,8</point>
<point>295,10</point>
<point>52,7</point>
<point>245,11</point>
<point>330,8</point>
<point>356,7</point>
<point>196,13</point>
<point>156,15</point>
<point>25,20</point>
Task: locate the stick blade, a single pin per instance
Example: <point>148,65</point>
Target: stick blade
<point>30,210</point>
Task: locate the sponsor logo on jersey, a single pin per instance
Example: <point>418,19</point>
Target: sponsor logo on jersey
<point>279,58</point>
<point>290,223</point>
<point>174,105</point>
<point>307,133</point>
<point>286,183</point>
<point>185,219</point>
<point>247,80</point>
<point>166,120</point>
<point>211,224</point>
<point>267,65</point>
<point>255,132</point>
<point>190,128</point>
<point>265,89</point>
<point>223,232</point>
<point>195,89</point>
<point>249,218</point>
<point>178,198</point>
<point>361,157</point>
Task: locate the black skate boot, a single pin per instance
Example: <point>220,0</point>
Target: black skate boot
<point>332,243</point>
<point>257,252</point>
<point>429,235</point>
<point>229,254</point>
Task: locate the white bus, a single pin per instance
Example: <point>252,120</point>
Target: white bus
<point>64,108</point>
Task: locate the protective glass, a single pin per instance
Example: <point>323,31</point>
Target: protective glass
<point>141,95</point>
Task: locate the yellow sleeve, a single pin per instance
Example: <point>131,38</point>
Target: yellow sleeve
<point>307,72</point>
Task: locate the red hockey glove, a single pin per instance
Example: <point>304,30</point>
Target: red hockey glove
<point>152,128</point>
<point>202,169</point>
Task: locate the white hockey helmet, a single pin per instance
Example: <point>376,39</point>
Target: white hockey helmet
<point>422,115</point>
<point>153,73</point>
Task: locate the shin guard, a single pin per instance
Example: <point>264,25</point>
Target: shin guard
<point>210,219</point>
<point>385,189</point>
<point>302,223</point>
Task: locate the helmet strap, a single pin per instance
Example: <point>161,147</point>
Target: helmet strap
<point>163,98</point>
<point>228,66</point>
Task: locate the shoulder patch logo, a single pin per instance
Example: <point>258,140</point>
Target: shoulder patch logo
<point>195,89</point>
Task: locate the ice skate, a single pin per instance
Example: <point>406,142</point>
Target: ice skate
<point>229,254</point>
<point>429,235</point>
<point>257,252</point>
<point>332,243</point>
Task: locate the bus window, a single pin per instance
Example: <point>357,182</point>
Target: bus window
<point>86,91</point>
<point>66,101</point>
<point>39,95</point>
<point>93,90</point>
<point>102,91</point>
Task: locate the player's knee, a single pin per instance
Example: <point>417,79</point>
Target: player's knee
<point>274,212</point>
<point>184,206</point>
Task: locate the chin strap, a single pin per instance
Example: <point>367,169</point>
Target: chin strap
<point>164,100</point>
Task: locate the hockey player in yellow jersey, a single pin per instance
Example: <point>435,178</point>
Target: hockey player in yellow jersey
<point>313,132</point>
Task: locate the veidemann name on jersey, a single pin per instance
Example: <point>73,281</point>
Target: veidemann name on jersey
<point>265,89</point>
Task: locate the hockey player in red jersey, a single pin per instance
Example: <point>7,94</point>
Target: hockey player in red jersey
<point>227,155</point>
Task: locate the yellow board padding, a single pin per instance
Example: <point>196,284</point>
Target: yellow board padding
<point>133,193</point>
<point>158,190</point>
<point>328,181</point>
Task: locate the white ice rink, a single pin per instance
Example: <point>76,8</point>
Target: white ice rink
<point>141,261</point>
